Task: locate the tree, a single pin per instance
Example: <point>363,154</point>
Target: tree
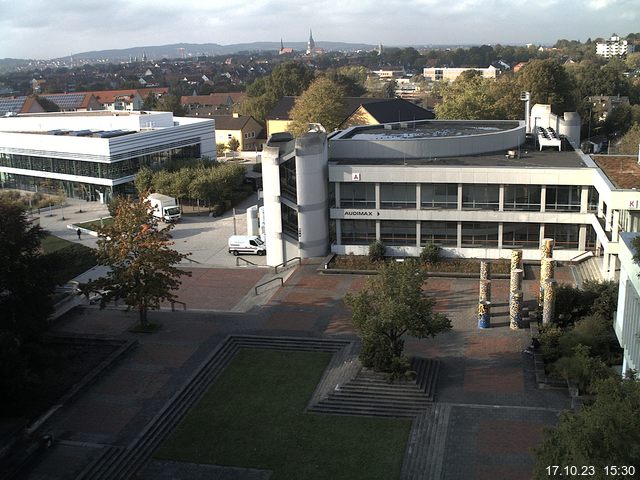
<point>25,305</point>
<point>467,98</point>
<point>630,143</point>
<point>141,262</point>
<point>549,83</point>
<point>604,433</point>
<point>170,103</point>
<point>233,144</point>
<point>25,284</point>
<point>220,148</point>
<point>391,305</point>
<point>322,102</point>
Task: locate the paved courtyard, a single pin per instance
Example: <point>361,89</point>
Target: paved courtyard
<point>494,412</point>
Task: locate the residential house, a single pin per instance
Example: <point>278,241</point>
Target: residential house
<point>436,74</point>
<point>212,104</point>
<point>358,111</point>
<point>244,128</point>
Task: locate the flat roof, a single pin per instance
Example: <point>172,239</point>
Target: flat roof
<point>427,129</point>
<point>526,157</point>
<point>622,170</point>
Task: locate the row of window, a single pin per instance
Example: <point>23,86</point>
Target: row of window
<point>113,170</point>
<point>473,234</point>
<point>565,198</point>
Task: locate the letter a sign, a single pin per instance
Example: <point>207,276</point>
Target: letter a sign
<point>355,177</point>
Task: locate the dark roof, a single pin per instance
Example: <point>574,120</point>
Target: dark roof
<point>229,122</point>
<point>382,109</point>
<point>397,110</point>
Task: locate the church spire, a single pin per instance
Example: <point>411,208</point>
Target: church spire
<point>310,44</point>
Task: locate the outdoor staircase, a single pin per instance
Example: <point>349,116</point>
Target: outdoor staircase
<point>370,393</point>
<point>116,463</point>
<point>587,270</point>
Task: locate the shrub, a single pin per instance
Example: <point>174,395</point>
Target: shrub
<point>430,253</point>
<point>376,251</point>
<point>582,370</point>
<point>69,262</point>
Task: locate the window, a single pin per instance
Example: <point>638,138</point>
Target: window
<point>479,234</point>
<point>439,233</point>
<point>229,136</point>
<point>480,197</point>
<point>398,232</point>
<point>357,195</point>
<point>288,182</point>
<point>398,195</point>
<point>522,197</point>
<point>358,232</point>
<point>563,198</point>
<point>439,195</point>
<point>289,221</point>
<point>521,235</point>
<point>594,199</point>
<point>565,236</point>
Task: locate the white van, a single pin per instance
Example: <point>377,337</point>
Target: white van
<point>246,244</point>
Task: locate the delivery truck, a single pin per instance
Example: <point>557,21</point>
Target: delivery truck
<point>164,207</point>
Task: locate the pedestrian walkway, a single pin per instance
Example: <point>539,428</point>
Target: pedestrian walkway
<point>487,412</point>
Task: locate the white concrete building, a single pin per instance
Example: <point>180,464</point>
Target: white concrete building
<point>613,47</point>
<point>435,74</point>
<point>476,188</point>
<point>93,155</point>
<point>627,321</point>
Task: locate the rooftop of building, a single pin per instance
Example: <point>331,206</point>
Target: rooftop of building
<point>622,170</point>
<point>426,129</point>
<point>527,156</point>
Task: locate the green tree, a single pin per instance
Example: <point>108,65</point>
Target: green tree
<point>25,305</point>
<point>630,143</point>
<point>143,181</point>
<point>233,144</point>
<point>25,284</point>
<point>170,103</point>
<point>322,102</point>
<point>469,97</point>
<point>392,305</point>
<point>377,250</point>
<point>549,83</point>
<point>142,265</point>
<point>220,148</point>
<point>607,432</point>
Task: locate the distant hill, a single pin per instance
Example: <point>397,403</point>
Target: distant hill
<point>194,49</point>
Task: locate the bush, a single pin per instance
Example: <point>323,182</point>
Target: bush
<point>431,253</point>
<point>377,251</point>
<point>69,262</point>
<point>581,370</point>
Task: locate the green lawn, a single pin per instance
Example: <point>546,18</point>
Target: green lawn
<point>96,224</point>
<point>253,417</point>
<point>51,243</point>
<point>66,259</point>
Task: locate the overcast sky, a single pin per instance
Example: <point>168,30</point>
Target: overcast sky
<point>55,28</point>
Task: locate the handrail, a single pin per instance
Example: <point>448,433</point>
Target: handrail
<point>266,283</point>
<point>245,261</point>
<point>284,264</point>
<point>173,305</point>
<point>586,254</point>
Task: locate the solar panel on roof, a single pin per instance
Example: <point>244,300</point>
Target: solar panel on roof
<point>11,105</point>
<point>67,101</point>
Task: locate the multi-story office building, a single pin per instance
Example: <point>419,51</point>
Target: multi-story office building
<point>627,321</point>
<point>476,188</point>
<point>93,155</point>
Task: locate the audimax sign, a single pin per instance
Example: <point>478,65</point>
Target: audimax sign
<point>361,213</point>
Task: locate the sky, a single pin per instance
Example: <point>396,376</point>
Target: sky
<point>45,29</point>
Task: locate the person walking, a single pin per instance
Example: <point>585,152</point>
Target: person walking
<point>79,232</point>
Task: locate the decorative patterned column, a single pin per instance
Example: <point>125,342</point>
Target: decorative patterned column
<point>484,314</point>
<point>515,310</point>
<point>547,272</point>
<point>546,250</point>
<point>516,259</point>
<point>485,270</point>
<point>515,282</point>
<point>549,302</point>
<point>485,291</point>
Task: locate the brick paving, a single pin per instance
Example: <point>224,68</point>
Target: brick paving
<point>496,411</point>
